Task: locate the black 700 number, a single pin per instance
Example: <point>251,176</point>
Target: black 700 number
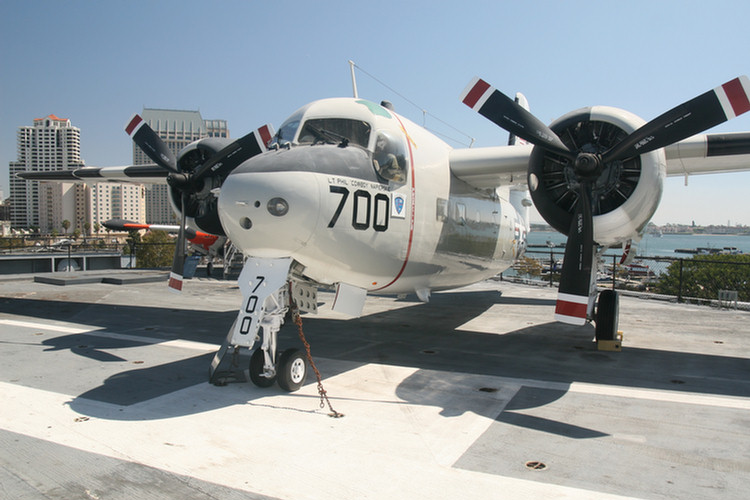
<point>252,304</point>
<point>363,206</point>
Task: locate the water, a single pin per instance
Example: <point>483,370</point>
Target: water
<point>655,246</point>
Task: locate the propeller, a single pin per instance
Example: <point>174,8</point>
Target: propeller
<point>178,261</point>
<point>575,280</point>
<point>151,144</point>
<point>692,117</point>
<point>511,116</point>
<point>218,166</point>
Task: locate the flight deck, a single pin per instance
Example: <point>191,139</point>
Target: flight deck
<point>477,394</point>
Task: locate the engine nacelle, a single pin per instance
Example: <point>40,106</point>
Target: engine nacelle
<point>625,193</point>
<point>200,204</point>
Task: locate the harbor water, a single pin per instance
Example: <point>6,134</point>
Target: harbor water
<point>657,246</point>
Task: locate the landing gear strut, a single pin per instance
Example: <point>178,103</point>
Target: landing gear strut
<point>265,302</point>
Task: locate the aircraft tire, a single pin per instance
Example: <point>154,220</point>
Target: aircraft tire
<point>292,370</point>
<point>256,370</point>
<point>607,315</point>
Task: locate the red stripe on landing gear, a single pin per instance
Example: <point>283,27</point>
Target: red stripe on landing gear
<point>476,93</point>
<point>737,96</point>
<point>133,124</point>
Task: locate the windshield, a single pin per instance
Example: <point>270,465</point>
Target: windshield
<point>335,130</point>
<point>287,131</point>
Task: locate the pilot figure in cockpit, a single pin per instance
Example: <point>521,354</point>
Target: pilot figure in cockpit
<point>385,160</point>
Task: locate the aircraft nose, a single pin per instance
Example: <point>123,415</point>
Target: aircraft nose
<point>269,214</point>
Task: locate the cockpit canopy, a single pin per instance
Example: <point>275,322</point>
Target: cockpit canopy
<point>350,122</point>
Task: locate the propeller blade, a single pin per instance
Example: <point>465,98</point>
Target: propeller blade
<point>234,154</point>
<point>150,143</point>
<point>178,262</point>
<point>692,117</point>
<point>508,114</point>
<point>575,281</point>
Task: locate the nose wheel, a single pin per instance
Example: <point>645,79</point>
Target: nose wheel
<point>290,372</point>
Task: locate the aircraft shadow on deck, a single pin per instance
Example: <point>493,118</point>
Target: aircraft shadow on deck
<point>428,340</point>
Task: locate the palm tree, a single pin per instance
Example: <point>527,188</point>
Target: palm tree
<point>66,225</point>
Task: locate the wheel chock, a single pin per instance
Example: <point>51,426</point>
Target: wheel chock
<point>610,345</point>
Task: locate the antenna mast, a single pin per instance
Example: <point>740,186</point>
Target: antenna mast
<point>354,79</point>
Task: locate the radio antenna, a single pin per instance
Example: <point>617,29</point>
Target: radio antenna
<point>354,79</point>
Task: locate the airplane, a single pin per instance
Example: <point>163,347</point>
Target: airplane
<point>198,238</point>
<point>204,243</point>
<point>350,194</point>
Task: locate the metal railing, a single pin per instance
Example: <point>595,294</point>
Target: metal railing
<point>706,279</point>
<point>142,254</point>
<point>51,245</point>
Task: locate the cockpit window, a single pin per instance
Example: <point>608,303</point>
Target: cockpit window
<point>389,157</point>
<point>287,131</point>
<point>335,131</point>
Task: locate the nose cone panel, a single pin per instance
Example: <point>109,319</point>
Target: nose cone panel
<point>271,204</point>
<point>269,214</point>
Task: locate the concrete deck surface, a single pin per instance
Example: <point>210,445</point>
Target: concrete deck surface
<point>105,396</point>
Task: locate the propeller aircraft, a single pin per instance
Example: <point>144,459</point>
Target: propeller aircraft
<point>203,241</point>
<point>210,245</point>
<point>349,194</point>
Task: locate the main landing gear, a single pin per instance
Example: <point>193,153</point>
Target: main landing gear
<point>607,315</point>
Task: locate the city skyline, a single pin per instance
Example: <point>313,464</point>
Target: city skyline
<point>53,143</point>
<point>262,66</point>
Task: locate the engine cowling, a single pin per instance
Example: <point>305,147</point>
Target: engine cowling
<point>625,193</point>
<point>201,206</point>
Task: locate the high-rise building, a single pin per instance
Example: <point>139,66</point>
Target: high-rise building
<point>87,206</point>
<point>51,144</point>
<point>177,129</point>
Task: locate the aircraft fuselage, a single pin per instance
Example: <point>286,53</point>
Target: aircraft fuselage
<point>336,209</point>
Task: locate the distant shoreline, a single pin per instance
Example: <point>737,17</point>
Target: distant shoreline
<point>676,229</point>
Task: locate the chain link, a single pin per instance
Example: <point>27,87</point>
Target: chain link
<point>297,318</point>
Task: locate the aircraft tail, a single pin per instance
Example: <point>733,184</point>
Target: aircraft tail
<point>524,103</point>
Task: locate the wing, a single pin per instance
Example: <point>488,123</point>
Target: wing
<point>700,154</point>
<point>491,167</point>
<point>140,174</point>
<point>709,154</point>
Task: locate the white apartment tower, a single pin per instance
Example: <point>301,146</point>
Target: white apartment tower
<point>177,129</point>
<point>51,144</point>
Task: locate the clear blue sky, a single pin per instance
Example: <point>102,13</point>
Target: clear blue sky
<point>254,62</point>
